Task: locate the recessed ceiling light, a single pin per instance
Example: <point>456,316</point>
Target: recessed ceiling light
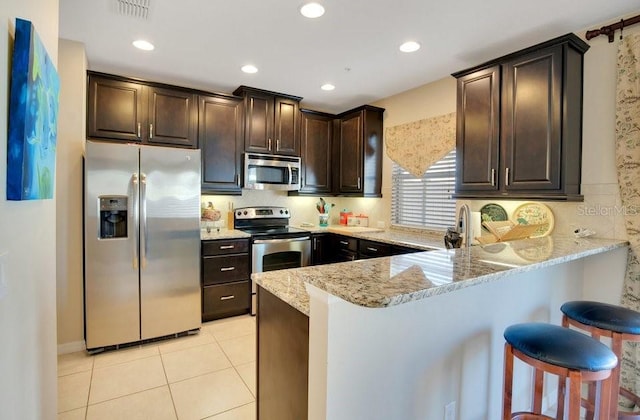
<point>410,46</point>
<point>249,69</point>
<point>143,45</point>
<point>327,86</point>
<point>312,10</point>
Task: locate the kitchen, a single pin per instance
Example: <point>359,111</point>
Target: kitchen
<point>599,185</point>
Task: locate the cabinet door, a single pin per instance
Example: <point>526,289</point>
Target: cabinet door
<point>350,153</point>
<point>173,116</point>
<point>477,132</point>
<point>286,125</point>
<point>115,109</point>
<point>320,249</point>
<point>258,123</point>
<point>220,140</point>
<point>315,152</point>
<point>531,120</point>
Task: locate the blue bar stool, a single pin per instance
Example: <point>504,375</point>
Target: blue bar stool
<point>604,320</point>
<point>562,352</point>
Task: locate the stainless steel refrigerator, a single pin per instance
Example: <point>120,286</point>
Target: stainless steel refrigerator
<point>141,242</point>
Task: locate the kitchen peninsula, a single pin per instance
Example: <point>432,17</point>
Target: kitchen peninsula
<point>406,336</point>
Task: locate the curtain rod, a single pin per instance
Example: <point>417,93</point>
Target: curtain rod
<point>610,30</point>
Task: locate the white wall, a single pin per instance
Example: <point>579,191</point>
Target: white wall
<point>27,234</point>
<point>72,65</point>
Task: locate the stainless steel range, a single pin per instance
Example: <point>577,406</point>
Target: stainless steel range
<point>274,244</point>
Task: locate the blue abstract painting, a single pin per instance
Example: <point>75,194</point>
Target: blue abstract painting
<point>33,118</point>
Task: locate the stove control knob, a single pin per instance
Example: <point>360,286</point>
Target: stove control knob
<point>244,212</point>
<point>286,212</point>
<point>281,211</point>
<point>239,213</point>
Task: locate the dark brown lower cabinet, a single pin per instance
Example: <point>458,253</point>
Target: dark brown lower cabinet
<point>223,300</point>
<point>283,359</point>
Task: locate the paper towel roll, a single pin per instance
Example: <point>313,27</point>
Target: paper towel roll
<point>476,226</point>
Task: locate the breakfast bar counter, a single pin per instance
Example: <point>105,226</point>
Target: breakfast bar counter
<point>416,335</point>
<point>389,281</point>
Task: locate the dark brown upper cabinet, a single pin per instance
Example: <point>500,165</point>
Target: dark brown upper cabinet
<point>271,121</point>
<point>519,124</point>
<point>316,139</point>
<point>221,141</point>
<point>478,130</point>
<point>128,110</point>
<point>358,152</point>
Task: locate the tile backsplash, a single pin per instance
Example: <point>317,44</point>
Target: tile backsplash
<point>303,209</point>
<point>601,211</point>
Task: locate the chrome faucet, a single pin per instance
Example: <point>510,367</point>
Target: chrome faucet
<point>463,224</point>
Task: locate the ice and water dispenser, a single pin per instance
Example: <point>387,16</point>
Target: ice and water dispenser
<point>113,217</point>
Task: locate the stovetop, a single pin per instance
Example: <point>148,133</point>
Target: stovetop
<point>266,221</point>
<point>273,230</point>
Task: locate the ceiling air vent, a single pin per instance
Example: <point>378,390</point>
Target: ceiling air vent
<point>134,8</point>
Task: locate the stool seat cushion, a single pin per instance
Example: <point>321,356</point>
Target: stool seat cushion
<point>560,346</point>
<point>603,316</point>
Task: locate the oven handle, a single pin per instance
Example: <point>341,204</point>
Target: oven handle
<point>281,241</point>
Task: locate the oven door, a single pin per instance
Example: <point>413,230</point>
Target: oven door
<point>278,254</point>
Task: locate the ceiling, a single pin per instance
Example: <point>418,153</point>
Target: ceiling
<point>203,43</point>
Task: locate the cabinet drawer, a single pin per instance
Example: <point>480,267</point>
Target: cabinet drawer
<point>346,243</point>
<point>225,269</point>
<point>225,246</point>
<point>225,300</point>
<point>345,255</point>
<point>371,249</point>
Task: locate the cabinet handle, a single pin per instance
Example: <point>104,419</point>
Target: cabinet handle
<point>150,131</point>
<point>236,178</point>
<point>344,243</point>
<point>227,297</point>
<point>227,246</point>
<point>315,244</point>
<point>506,176</point>
<point>139,128</point>
<point>372,249</point>
<point>269,145</point>
<point>493,177</point>
<point>359,183</point>
<point>277,144</point>
<point>227,268</point>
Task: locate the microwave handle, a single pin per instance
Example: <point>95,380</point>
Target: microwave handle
<point>290,174</point>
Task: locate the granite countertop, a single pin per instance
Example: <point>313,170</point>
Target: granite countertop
<point>222,234</point>
<point>413,238</point>
<point>388,281</point>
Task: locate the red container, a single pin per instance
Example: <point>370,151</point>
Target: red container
<point>344,215</point>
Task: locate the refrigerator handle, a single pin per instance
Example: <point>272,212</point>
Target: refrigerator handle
<point>143,220</point>
<point>136,218</point>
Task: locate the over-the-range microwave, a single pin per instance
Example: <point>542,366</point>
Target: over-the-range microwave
<point>271,172</point>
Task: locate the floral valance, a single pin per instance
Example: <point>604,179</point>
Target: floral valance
<point>417,145</point>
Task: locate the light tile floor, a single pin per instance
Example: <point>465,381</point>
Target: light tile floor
<point>211,375</point>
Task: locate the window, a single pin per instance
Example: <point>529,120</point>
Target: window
<point>427,201</point>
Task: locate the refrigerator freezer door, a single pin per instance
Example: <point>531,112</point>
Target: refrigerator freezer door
<point>169,240</point>
<point>111,269</point>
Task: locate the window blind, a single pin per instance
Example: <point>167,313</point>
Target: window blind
<point>427,201</point>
